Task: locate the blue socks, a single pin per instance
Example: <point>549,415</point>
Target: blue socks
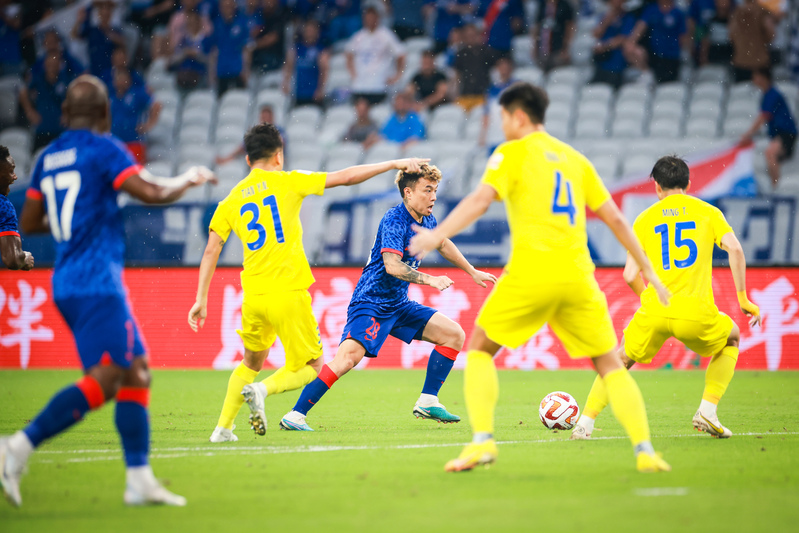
<point>314,390</point>
<point>133,424</point>
<point>438,368</point>
<point>65,408</point>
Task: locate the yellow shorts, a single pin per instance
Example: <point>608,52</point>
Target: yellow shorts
<point>646,333</point>
<point>577,312</point>
<point>287,315</point>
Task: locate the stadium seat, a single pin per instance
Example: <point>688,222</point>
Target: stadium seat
<point>670,92</point>
<point>382,151</point>
<point>196,154</point>
<point>701,128</point>
<point>600,93</point>
<point>193,134</point>
<point>424,149</point>
<point>791,93</point>
<point>521,50</point>
<point>202,99</point>
<point>450,113</point>
<point>592,109</point>
<point>630,109</point>
<point>708,109</point>
<point>16,139</point>
<point>559,129</point>
<point>232,116</point>
<point>562,95</point>
<point>715,74</point>
<point>195,116</point>
<point>582,49</point>
<point>338,79</point>
<point>633,92</point>
<point>9,99</point>
<point>607,166</point>
<point>380,113</point>
<point>592,127</point>
<point>665,127</point>
<point>568,76</point>
<point>301,132</point>
<point>454,180</point>
<point>708,92</point>
<point>460,149</point>
<point>530,74</point>
<point>418,44</point>
<point>168,98</point>
<point>343,155</point>
<point>231,173</point>
<point>161,168</point>
<point>667,111</point>
<point>310,116</point>
<point>444,130</point>
<point>734,126</point>
<point>627,128</point>
<point>238,98</point>
<point>160,153</point>
<point>228,134</point>
<point>638,164</point>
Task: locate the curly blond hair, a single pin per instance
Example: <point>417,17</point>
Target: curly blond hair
<point>409,179</point>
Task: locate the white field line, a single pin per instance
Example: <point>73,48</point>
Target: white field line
<point>661,491</point>
<point>113,454</point>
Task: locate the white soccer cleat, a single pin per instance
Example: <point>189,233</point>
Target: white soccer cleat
<point>579,433</point>
<point>141,488</point>
<point>221,434</point>
<point>11,468</point>
<point>711,424</point>
<point>254,397</point>
<point>294,421</point>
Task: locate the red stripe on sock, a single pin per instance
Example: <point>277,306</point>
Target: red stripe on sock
<point>137,395</point>
<point>328,376</point>
<point>92,391</point>
<point>449,353</point>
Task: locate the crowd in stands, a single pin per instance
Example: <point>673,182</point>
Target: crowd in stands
<point>232,44</point>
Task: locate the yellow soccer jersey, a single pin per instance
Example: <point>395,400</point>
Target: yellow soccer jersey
<point>263,210</point>
<point>546,185</point>
<point>677,235</point>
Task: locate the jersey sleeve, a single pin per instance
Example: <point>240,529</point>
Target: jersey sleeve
<point>497,172</point>
<point>769,103</point>
<point>392,234</point>
<point>305,182</point>
<point>8,219</point>
<point>720,226</point>
<point>119,163</point>
<point>220,222</point>
<point>596,193</point>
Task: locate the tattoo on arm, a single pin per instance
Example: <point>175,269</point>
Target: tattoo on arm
<point>400,270</point>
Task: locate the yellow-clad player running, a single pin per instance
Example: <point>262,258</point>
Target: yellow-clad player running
<point>546,186</point>
<point>263,210</point>
<point>678,234</point>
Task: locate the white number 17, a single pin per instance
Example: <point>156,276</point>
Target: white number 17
<point>69,181</point>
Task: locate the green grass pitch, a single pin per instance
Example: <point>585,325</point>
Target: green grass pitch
<point>371,466</point>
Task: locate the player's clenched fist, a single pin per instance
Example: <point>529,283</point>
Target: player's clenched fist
<point>440,282</point>
<point>200,175</point>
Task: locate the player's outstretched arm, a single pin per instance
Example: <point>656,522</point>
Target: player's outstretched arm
<point>632,276</point>
<point>609,214</point>
<point>450,252</point>
<point>33,218</point>
<point>360,173</point>
<point>731,245</point>
<point>395,267</point>
<point>467,211</point>
<point>152,189</point>
<point>210,258</point>
<point>14,257</point>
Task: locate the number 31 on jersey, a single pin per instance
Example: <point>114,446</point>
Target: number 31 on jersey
<point>255,225</point>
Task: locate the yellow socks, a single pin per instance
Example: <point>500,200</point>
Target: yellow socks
<point>597,399</point>
<point>283,379</point>
<point>481,389</point>
<point>628,405</point>
<point>240,377</point>
<point>719,374</point>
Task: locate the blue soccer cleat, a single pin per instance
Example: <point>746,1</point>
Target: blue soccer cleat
<point>294,421</point>
<point>435,412</point>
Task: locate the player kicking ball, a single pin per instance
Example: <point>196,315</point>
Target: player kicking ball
<point>263,210</point>
<point>73,195</point>
<point>546,186</point>
<point>380,306</point>
<point>678,234</point>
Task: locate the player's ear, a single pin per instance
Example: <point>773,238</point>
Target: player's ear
<point>247,159</point>
<point>688,186</point>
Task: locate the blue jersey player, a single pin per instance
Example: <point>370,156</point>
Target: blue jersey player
<point>14,257</point>
<point>380,306</point>
<point>73,194</point>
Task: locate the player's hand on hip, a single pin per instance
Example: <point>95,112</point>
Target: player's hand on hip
<point>410,164</point>
<point>440,282</point>
<point>197,316</point>
<point>481,277</point>
<point>28,264</point>
<point>423,242</point>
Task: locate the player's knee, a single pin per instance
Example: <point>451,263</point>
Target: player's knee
<point>457,337</point>
<point>138,375</point>
<point>735,337</point>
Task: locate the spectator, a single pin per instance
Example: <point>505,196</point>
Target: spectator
<point>700,13</point>
<point>552,33</point>
<point>454,44</point>
<point>149,14</point>
<point>492,110</point>
<point>371,53</point>
<point>502,19</point>
<point>473,63</point>
<point>409,18</point>
<point>308,63</point>
<point>179,21</point>
<point>52,45</point>
<point>363,130</point>
<point>429,86</point>
<point>450,14</point>
<point>41,100</point>
<point>775,112</point>
<point>611,48</point>
<point>101,36</point>
<point>119,61</point>
<point>265,115</point>
<point>715,45</point>
<point>129,105</point>
<point>10,51</point>
<point>228,47</point>
<point>752,28</point>
<point>404,126</point>
<point>344,17</point>
<point>190,58</point>
<point>667,35</point>
<point>269,36</point>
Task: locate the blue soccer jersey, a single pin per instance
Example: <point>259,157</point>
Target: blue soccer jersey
<point>376,287</point>
<point>8,218</point>
<point>78,176</point>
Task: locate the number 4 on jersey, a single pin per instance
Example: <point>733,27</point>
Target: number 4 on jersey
<point>567,208</point>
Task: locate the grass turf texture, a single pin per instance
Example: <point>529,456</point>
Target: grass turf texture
<point>371,466</point>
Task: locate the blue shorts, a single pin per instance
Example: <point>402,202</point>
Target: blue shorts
<point>371,327</point>
<point>104,329</point>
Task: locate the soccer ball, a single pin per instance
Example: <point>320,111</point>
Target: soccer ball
<point>559,410</point>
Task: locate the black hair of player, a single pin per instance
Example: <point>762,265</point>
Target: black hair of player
<point>671,172</point>
<point>765,72</point>
<point>4,154</point>
<point>262,141</point>
<point>531,99</point>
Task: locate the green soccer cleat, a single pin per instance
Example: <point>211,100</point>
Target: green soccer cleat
<point>435,412</point>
